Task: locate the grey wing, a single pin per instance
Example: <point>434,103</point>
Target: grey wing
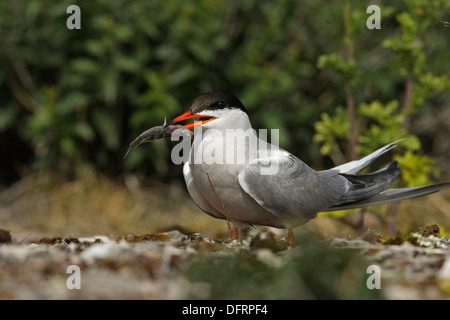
<point>293,188</point>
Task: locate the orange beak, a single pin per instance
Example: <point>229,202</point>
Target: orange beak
<point>190,115</point>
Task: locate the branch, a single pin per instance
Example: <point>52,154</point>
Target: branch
<point>407,101</point>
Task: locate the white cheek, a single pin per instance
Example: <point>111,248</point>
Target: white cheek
<point>227,119</point>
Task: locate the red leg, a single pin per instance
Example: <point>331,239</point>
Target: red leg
<point>290,238</point>
<point>235,235</point>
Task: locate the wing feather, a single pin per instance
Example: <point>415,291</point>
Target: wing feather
<point>294,189</point>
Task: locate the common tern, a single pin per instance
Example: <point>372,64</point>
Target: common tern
<point>234,175</point>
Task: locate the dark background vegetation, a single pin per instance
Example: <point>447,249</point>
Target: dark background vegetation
<point>71,101</point>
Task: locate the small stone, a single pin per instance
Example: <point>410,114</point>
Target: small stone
<point>5,236</point>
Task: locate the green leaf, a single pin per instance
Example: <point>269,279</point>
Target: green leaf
<point>416,169</point>
<point>8,115</point>
<point>84,65</point>
<point>331,129</point>
<point>84,131</point>
<point>68,146</point>
<point>106,127</point>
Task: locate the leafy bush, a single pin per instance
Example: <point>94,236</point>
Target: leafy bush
<point>77,97</point>
<point>376,123</point>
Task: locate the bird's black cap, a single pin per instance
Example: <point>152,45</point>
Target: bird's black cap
<point>217,99</point>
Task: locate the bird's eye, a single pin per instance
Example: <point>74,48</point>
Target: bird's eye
<point>221,104</point>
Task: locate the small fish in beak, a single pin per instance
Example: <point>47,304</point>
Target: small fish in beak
<point>165,131</point>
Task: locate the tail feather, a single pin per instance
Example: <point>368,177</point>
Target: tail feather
<point>371,189</point>
<point>391,195</point>
<point>367,185</point>
<point>355,166</point>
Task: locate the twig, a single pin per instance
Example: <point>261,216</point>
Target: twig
<point>352,122</point>
<point>349,49</point>
<point>23,97</point>
<point>21,241</point>
<point>406,108</point>
<point>221,203</point>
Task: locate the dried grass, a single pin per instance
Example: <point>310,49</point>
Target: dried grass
<point>95,204</point>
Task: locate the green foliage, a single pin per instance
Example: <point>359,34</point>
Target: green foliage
<point>345,69</point>
<point>412,45</point>
<point>71,97</point>
<point>415,23</point>
<point>428,85</point>
<point>317,272</point>
<point>331,130</point>
<point>380,123</point>
<point>416,168</point>
<point>55,129</point>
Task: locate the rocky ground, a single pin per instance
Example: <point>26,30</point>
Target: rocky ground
<point>173,265</point>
